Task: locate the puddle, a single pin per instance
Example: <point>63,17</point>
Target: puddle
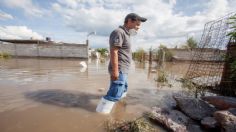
<point>45,95</point>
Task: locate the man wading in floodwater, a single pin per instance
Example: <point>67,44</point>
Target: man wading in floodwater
<point>120,59</point>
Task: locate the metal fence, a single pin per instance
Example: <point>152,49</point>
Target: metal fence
<point>206,68</point>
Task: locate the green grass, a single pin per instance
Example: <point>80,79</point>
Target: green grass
<point>4,55</point>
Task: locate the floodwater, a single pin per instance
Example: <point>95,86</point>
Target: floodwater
<point>58,95</point>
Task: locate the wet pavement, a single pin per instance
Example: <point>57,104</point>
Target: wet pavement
<point>45,95</point>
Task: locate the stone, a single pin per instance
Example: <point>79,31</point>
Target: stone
<point>209,122</point>
<point>172,119</point>
<point>232,110</point>
<point>194,128</point>
<point>227,120</point>
<point>221,102</point>
<point>194,108</point>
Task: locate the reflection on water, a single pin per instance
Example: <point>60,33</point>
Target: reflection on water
<point>60,95</point>
<point>64,98</point>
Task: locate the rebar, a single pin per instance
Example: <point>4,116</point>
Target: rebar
<point>207,63</point>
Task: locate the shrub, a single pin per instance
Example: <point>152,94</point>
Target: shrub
<point>5,55</point>
<point>160,53</point>
<point>139,54</point>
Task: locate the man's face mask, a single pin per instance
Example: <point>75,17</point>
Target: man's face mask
<point>133,32</point>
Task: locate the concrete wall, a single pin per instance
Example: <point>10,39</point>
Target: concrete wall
<point>207,55</point>
<point>180,54</point>
<point>45,50</point>
<point>7,47</point>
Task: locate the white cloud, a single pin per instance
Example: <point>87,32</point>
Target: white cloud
<point>28,6</point>
<point>5,16</point>
<point>86,20</point>
<point>18,32</point>
<point>163,25</point>
<point>217,8</point>
<point>172,2</point>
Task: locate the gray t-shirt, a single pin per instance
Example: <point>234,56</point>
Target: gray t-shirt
<point>120,38</point>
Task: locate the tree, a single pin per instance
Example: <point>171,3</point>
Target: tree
<point>163,49</point>
<point>190,44</point>
<point>102,51</point>
<point>228,80</point>
<point>232,23</point>
<point>139,54</point>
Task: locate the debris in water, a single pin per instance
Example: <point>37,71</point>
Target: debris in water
<point>138,125</point>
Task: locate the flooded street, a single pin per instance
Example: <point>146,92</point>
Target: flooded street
<point>58,95</point>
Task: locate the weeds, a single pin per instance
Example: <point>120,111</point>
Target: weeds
<point>5,55</point>
<point>138,125</point>
<point>162,77</point>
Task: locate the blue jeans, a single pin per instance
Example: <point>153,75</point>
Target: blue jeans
<point>117,88</point>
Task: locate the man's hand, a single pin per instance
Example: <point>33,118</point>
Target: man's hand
<point>114,75</point>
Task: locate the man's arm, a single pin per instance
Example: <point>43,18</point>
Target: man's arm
<point>114,63</point>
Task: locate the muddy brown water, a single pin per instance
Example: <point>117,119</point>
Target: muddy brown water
<point>58,95</point>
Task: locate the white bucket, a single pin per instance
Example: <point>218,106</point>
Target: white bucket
<point>105,106</point>
<point>124,95</point>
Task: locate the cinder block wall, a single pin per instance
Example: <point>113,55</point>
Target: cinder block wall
<point>45,50</point>
<point>182,54</point>
<point>207,55</point>
<point>8,48</point>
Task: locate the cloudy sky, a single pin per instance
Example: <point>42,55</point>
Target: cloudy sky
<point>170,22</point>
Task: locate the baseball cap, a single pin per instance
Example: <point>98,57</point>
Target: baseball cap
<point>135,16</point>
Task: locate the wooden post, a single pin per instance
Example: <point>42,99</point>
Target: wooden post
<point>144,57</point>
<point>150,57</point>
